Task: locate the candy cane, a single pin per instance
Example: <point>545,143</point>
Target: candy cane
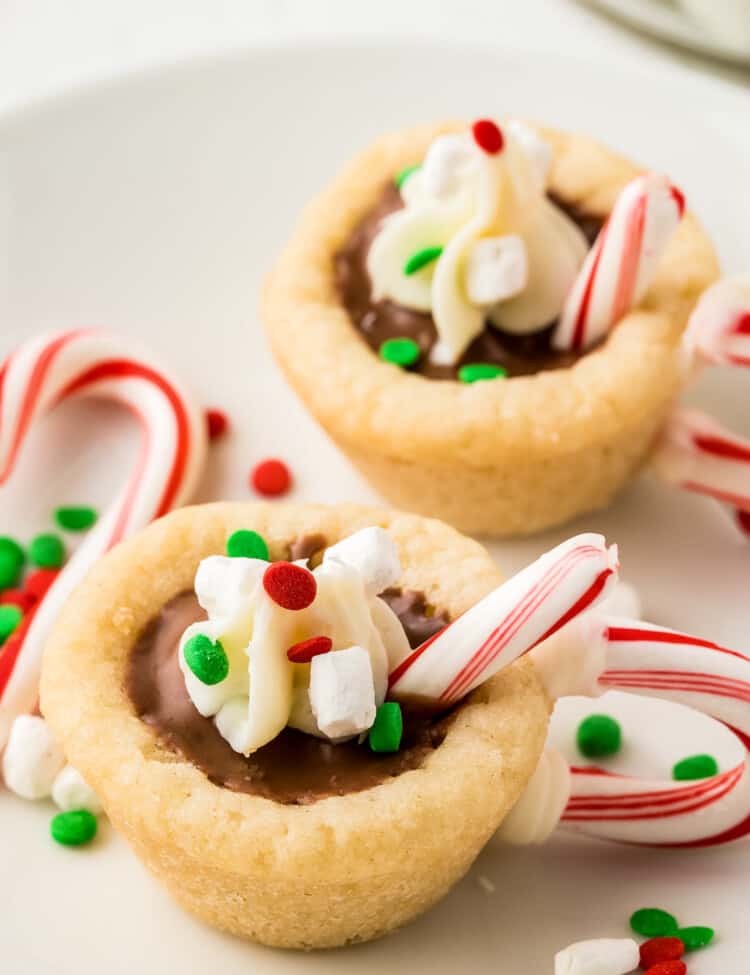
<point>508,622</point>
<point>55,367</point>
<point>718,332</point>
<point>697,453</point>
<point>646,659</point>
<point>620,266</point>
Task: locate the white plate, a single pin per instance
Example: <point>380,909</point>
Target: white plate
<point>154,205</point>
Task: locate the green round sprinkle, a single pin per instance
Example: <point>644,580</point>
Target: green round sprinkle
<point>421,259</point>
<point>385,734</point>
<point>399,352</point>
<point>401,177</point>
<point>207,659</point>
<point>10,617</point>
<point>12,558</point>
<point>75,519</point>
<point>653,923</point>
<point>47,551</point>
<point>695,767</point>
<point>695,937</point>
<point>74,828</point>
<point>475,371</point>
<point>247,545</point>
<point>598,735</point>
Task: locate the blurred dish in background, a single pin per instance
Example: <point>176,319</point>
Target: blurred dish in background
<point>720,28</point>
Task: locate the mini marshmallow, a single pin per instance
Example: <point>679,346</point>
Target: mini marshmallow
<point>222,582</point>
<point>534,147</point>
<point>601,956</point>
<point>444,161</point>
<point>71,791</point>
<point>342,693</point>
<point>623,601</point>
<point>32,758</point>
<point>497,268</point>
<point>373,553</point>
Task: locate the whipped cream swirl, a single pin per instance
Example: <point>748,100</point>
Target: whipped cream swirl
<point>504,252</point>
<point>263,691</point>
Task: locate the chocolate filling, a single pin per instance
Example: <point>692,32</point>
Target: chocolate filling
<point>294,768</point>
<point>376,321</point>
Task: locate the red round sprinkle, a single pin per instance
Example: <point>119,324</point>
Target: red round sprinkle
<point>17,597</point>
<point>667,968</point>
<point>217,423</point>
<point>38,582</point>
<point>488,136</point>
<point>271,477</point>
<point>661,949</point>
<point>305,650</point>
<point>290,586</point>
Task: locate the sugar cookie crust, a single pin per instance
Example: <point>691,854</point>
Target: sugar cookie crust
<point>345,868</point>
<point>503,457</point>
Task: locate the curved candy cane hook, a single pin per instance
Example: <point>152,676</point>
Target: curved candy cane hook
<point>694,451</point>
<point>596,654</point>
<point>42,373</point>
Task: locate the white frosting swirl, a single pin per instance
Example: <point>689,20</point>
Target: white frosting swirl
<point>264,691</point>
<point>458,200</point>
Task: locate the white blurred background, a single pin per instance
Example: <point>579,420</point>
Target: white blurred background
<point>48,45</point>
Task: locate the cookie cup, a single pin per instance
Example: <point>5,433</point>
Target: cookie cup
<point>343,869</point>
<point>496,458</point>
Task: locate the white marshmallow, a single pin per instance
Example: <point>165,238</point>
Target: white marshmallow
<point>32,758</point>
<point>71,791</point>
<point>342,693</point>
<point>444,162</point>
<point>497,268</point>
<point>601,956</point>
<point>222,582</point>
<point>623,600</point>
<point>534,147</point>
<point>373,553</point>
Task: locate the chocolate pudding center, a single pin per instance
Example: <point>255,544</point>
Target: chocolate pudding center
<point>294,768</point>
<point>377,321</point>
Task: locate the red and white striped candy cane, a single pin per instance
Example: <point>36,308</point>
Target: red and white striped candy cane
<point>718,332</point>
<point>646,659</point>
<point>620,266</point>
<point>660,662</point>
<point>42,373</point>
<point>508,622</point>
<point>697,453</point>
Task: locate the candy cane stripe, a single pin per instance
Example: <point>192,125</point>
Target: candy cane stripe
<point>642,657</point>
<point>696,453</point>
<point>50,369</point>
<point>508,622</point>
<point>520,615</point>
<point>620,266</point>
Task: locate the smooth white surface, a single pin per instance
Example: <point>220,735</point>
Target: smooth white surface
<point>154,205</point>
